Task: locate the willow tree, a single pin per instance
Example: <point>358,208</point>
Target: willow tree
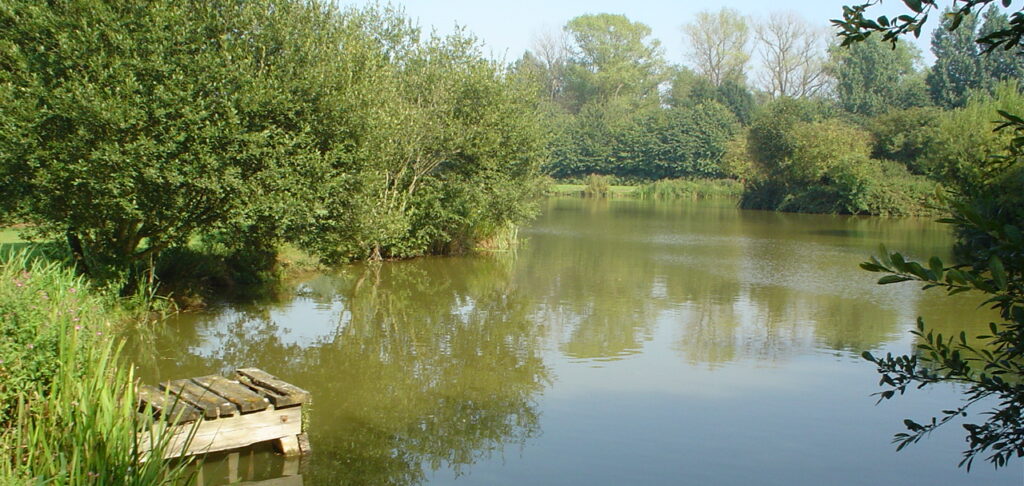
<point>719,45</point>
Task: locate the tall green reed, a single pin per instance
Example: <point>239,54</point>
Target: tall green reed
<point>691,189</point>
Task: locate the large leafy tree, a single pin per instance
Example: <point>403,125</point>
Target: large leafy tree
<point>130,125</point>
<point>957,69</point>
<point>989,222</point>
<point>998,64</point>
<point>864,89</point>
<point>689,88</point>
<point>613,57</point>
<point>960,66</point>
<point>447,153</point>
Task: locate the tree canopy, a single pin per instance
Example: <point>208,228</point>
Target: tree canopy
<point>613,57</point>
<point>134,127</point>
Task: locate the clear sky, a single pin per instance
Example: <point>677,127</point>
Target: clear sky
<point>507,27</point>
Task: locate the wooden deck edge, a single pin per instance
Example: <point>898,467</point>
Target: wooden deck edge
<point>228,432</point>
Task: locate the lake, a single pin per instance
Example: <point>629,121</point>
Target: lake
<point>624,342</point>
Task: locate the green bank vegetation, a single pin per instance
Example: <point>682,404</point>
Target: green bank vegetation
<point>602,186</point>
<point>158,141</point>
<point>815,127</point>
<point>67,405</point>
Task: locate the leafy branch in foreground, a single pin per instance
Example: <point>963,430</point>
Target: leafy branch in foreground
<point>990,369</point>
<point>855,26</point>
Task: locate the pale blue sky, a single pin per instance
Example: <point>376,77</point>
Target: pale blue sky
<point>507,27</point>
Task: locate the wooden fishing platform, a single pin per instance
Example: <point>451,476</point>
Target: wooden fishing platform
<point>213,413</point>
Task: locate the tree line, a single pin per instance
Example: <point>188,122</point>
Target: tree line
<point>817,127</point>
<point>137,130</point>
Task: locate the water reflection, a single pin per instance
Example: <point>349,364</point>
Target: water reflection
<point>418,365</point>
<point>439,364</point>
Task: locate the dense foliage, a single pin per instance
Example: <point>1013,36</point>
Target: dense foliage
<point>853,141</point>
<point>133,127</point>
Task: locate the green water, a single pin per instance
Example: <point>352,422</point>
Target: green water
<point>626,342</point>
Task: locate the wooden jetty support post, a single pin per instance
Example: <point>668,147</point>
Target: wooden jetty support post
<point>213,413</point>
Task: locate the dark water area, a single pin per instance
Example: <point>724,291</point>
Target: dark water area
<point>625,342</point>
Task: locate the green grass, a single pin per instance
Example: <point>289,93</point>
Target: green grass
<point>578,190</point>
<point>663,189</point>
<point>9,235</point>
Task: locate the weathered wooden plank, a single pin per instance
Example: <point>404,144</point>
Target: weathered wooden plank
<point>210,403</point>
<point>280,393</point>
<point>234,432</point>
<point>233,467</point>
<point>304,446</point>
<point>288,445</point>
<point>241,395</point>
<point>172,408</point>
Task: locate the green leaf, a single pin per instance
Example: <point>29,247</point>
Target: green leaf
<point>935,264</point>
<point>1012,233</point>
<point>914,5</point>
<point>890,279</point>
<point>995,265</point>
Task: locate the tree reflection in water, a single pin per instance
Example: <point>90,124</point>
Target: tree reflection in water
<point>428,366</point>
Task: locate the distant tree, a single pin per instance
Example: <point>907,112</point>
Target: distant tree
<point>999,64</point>
<point>689,88</point>
<point>550,50</point>
<point>613,57</point>
<point>865,89</point>
<point>718,45</point>
<point>793,55</point>
<point>957,68</point>
<point>737,98</point>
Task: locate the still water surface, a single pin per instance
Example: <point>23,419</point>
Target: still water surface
<point>626,342</point>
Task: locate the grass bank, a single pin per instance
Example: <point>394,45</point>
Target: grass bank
<point>67,402</point>
<point>600,186</point>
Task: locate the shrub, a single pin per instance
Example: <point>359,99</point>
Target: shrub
<point>861,185</point>
<point>819,146</point>
<point>904,135</point>
<point>964,142</point>
<point>597,185</point>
